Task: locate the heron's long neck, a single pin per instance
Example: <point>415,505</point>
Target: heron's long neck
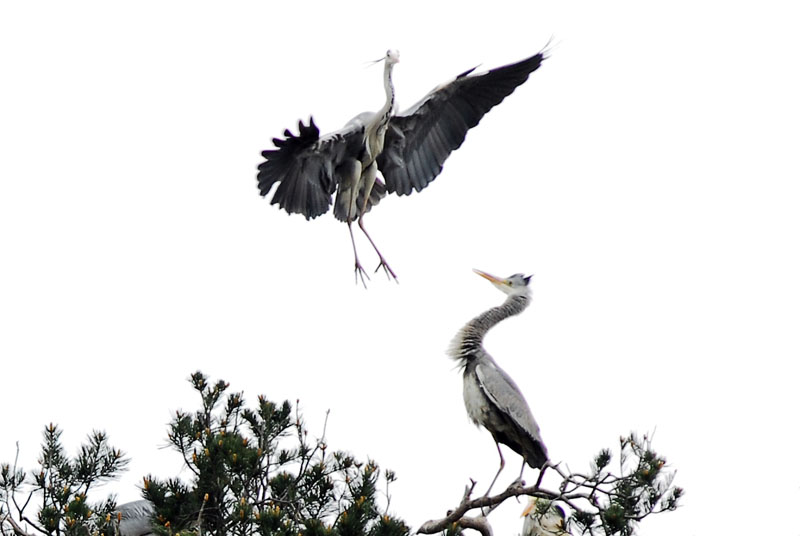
<point>470,338</point>
<point>376,130</point>
<point>386,111</point>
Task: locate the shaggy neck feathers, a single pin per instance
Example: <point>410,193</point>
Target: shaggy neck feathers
<point>469,340</point>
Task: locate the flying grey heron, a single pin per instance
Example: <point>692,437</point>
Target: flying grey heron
<point>549,522</point>
<point>492,398</point>
<point>408,148</point>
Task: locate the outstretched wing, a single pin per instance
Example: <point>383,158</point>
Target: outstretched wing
<point>305,166</point>
<point>420,139</point>
<point>501,390</point>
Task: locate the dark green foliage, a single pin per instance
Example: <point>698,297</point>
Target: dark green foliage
<point>620,502</point>
<point>62,483</point>
<point>255,471</point>
<point>601,461</point>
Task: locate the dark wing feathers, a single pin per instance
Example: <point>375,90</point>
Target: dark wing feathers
<point>419,140</point>
<point>305,167</point>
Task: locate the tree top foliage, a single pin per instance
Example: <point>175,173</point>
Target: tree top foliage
<point>257,471</point>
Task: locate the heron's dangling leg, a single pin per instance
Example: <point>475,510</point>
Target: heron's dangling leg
<point>359,269</point>
<point>368,178</point>
<point>346,204</point>
<point>383,264</point>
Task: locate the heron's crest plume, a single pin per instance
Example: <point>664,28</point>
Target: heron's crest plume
<point>392,56</point>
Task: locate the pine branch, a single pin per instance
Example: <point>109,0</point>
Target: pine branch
<point>515,490</point>
<point>600,502</point>
<point>19,531</point>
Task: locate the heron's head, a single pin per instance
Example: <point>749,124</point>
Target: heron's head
<point>392,57</point>
<point>547,506</point>
<point>513,285</point>
<point>543,517</point>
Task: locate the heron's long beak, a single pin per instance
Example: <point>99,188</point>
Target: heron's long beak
<point>531,506</point>
<point>490,277</point>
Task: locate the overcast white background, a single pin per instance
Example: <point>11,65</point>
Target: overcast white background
<point>647,175</point>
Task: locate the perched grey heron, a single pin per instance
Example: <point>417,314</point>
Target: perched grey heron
<point>136,518</point>
<point>492,398</point>
<point>550,522</point>
<point>408,148</point>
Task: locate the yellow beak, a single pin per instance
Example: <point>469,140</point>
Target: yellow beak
<point>490,277</point>
<point>531,506</point>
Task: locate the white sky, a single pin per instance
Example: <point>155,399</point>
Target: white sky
<point>647,175</point>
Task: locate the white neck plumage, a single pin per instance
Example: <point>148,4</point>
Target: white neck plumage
<point>386,111</point>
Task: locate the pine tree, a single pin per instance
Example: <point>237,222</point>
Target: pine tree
<point>257,471</point>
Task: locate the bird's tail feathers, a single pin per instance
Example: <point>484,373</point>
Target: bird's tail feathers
<point>536,456</point>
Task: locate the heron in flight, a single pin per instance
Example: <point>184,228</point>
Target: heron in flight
<point>492,398</point>
<point>547,520</point>
<point>408,148</point>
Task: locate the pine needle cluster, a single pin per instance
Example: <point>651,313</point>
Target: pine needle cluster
<point>58,490</point>
<point>257,472</point>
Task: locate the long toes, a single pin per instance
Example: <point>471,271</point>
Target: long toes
<point>362,274</point>
<point>389,272</point>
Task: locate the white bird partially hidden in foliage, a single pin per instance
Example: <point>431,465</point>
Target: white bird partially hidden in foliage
<point>543,518</point>
<point>408,148</point>
<point>136,518</point>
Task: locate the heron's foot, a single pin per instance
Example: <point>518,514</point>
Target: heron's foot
<point>361,273</point>
<point>387,269</point>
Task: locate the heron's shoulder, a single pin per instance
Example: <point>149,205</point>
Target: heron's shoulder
<point>359,121</point>
<point>494,378</point>
<point>346,139</point>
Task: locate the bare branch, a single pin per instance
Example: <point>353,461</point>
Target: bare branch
<point>599,502</point>
<point>515,490</point>
<point>19,531</point>
<point>480,523</point>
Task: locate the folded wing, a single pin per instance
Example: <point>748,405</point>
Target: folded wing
<point>501,390</point>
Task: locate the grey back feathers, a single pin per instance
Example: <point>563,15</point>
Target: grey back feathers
<point>136,518</point>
